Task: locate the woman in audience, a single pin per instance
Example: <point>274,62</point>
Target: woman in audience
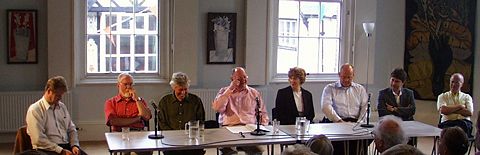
<point>320,144</point>
<point>294,98</point>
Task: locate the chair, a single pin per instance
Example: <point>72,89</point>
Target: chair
<point>22,141</point>
<point>471,140</point>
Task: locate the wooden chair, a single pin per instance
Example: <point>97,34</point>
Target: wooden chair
<point>22,141</point>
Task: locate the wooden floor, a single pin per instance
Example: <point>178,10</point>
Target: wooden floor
<point>101,148</point>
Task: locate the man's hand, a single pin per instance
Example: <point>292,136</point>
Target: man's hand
<point>66,152</point>
<point>234,84</point>
<point>390,108</point>
<point>339,121</point>
<point>76,150</point>
<point>133,93</point>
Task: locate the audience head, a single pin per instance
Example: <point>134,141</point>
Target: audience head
<point>320,144</point>
<point>402,149</point>
<point>54,89</point>
<point>453,141</point>
<point>125,84</point>
<point>346,75</point>
<point>456,82</point>
<point>240,75</point>
<point>296,77</point>
<point>297,149</point>
<point>180,84</point>
<point>388,133</point>
<point>397,78</point>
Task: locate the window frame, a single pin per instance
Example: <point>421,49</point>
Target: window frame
<point>164,57</point>
<point>345,54</point>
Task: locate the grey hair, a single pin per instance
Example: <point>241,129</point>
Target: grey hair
<point>320,144</point>
<point>402,149</point>
<point>297,149</point>
<point>180,79</point>
<point>121,75</point>
<point>390,135</point>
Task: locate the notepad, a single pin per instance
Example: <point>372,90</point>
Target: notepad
<point>245,128</point>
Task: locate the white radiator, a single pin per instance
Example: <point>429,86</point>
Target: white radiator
<point>14,106</point>
<point>208,95</point>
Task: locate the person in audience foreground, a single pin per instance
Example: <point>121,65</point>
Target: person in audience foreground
<point>453,141</point>
<point>345,101</point>
<point>320,144</point>
<point>294,97</point>
<point>178,108</point>
<point>49,124</point>
<point>298,149</point>
<point>126,109</point>
<point>236,105</point>
<point>455,106</point>
<point>388,133</point>
<point>403,149</point>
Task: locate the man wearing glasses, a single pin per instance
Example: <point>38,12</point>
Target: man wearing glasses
<point>126,109</point>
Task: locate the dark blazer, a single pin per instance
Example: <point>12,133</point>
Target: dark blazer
<point>286,110</point>
<point>406,108</point>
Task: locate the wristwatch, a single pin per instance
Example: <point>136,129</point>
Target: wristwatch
<point>139,99</point>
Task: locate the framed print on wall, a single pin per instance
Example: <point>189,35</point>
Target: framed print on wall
<point>22,37</point>
<point>221,34</point>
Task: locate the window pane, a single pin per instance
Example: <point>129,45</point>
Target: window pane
<point>93,50</point>
<point>139,44</point>
<point>308,53</point>
<point>111,63</point>
<point>139,63</point>
<point>124,63</point>
<point>152,63</point>
<point>330,56</point>
<point>152,44</point>
<point>139,22</point>
<point>152,23</point>
<point>124,44</point>
<point>309,24</point>
<point>331,19</point>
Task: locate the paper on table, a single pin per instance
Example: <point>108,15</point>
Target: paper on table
<point>245,128</point>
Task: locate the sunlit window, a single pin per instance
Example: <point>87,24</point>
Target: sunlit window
<point>309,35</point>
<point>122,36</point>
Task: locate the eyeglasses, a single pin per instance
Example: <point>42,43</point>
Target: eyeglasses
<point>128,84</point>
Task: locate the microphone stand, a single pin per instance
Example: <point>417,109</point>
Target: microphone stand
<point>155,136</point>
<point>368,125</point>
<point>258,131</point>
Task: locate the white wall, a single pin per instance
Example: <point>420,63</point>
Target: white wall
<point>89,99</point>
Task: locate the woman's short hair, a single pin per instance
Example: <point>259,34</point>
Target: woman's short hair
<point>400,74</point>
<point>298,73</point>
<point>180,79</point>
<point>56,83</point>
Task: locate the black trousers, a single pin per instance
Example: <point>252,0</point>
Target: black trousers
<point>465,124</point>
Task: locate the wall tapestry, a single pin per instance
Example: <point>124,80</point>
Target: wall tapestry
<point>439,42</point>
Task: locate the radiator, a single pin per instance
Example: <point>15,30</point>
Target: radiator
<point>208,95</point>
<point>14,106</point>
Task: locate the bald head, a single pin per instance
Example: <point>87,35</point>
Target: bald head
<point>389,133</point>
<point>346,75</point>
<point>239,78</point>
<point>456,82</point>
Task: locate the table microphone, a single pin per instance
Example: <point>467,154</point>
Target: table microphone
<point>258,131</point>
<point>368,125</point>
<point>155,136</point>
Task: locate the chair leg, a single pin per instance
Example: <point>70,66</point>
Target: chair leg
<point>471,145</point>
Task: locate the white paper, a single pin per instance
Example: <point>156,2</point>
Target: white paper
<point>245,128</point>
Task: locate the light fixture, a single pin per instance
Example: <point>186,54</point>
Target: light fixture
<point>368,27</point>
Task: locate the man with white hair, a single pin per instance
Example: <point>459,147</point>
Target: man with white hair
<point>178,108</point>
<point>388,133</point>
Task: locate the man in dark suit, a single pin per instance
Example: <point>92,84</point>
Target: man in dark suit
<point>397,100</point>
<point>292,98</point>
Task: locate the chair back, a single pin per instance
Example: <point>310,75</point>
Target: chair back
<point>22,141</point>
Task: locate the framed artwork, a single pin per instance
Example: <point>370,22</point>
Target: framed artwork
<point>221,34</point>
<point>22,37</point>
<point>439,42</point>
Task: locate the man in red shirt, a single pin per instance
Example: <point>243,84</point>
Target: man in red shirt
<point>126,109</point>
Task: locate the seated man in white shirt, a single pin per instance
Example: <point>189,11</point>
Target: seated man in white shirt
<point>456,107</point>
<point>344,101</point>
<point>49,124</point>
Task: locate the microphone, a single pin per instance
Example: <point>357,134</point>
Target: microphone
<point>155,136</point>
<point>368,125</point>
<point>258,131</point>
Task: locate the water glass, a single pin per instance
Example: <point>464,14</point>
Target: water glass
<point>275,126</point>
<point>125,133</point>
<point>192,129</point>
<point>302,125</point>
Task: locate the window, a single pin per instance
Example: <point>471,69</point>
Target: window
<point>309,35</point>
<point>122,36</point>
<point>114,36</point>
